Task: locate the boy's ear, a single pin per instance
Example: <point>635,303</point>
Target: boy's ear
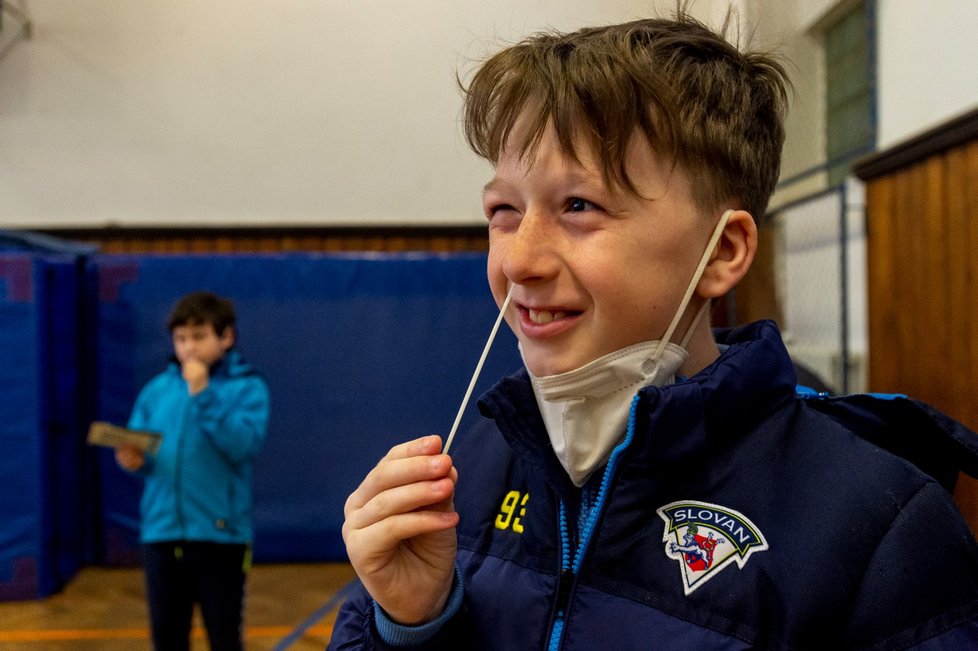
<point>732,256</point>
<point>227,338</point>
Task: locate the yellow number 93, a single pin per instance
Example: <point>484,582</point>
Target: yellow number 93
<point>512,511</point>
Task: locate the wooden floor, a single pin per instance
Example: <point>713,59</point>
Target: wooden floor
<point>290,606</point>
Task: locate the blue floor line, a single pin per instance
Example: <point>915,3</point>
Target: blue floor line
<point>339,597</point>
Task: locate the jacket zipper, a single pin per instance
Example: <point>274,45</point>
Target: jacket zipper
<point>178,471</point>
<point>565,583</point>
<point>570,568</point>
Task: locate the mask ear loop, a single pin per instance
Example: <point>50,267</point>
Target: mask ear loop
<point>689,294</point>
<point>478,369</point>
<point>692,326</point>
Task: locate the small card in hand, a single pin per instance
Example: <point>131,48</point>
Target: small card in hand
<point>113,436</point>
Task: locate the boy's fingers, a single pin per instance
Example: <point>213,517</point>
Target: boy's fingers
<point>390,532</point>
<point>401,486</point>
<point>420,446</point>
<point>406,463</point>
<point>416,496</point>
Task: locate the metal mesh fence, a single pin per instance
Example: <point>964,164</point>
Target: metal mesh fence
<point>820,276</point>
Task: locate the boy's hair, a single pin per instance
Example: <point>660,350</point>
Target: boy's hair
<point>701,104</point>
<point>200,308</point>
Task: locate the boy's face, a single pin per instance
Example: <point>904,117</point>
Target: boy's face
<point>596,268</point>
<point>200,341</point>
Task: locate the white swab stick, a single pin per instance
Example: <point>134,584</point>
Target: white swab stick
<point>478,369</point>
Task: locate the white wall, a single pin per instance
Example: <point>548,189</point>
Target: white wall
<point>926,65</point>
<point>252,112</point>
<point>780,28</point>
<point>928,71</point>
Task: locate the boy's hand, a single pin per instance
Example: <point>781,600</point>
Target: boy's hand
<point>129,457</point>
<point>400,531</point>
<point>196,374</point>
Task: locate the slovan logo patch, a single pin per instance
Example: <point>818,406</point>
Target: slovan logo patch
<point>705,538</point>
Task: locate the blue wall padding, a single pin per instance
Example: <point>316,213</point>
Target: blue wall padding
<point>361,352</point>
<point>44,531</point>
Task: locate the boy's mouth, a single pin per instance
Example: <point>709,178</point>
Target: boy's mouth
<point>546,316</point>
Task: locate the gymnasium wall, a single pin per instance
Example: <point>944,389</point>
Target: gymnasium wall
<point>293,112</point>
<point>46,501</point>
<point>360,350</point>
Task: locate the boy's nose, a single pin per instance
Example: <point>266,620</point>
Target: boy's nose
<point>530,252</point>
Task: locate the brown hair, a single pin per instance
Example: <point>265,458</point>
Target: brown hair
<point>201,308</point>
<point>699,102</point>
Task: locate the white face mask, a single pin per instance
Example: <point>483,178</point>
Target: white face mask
<point>586,409</point>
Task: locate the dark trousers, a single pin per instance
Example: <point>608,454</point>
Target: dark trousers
<point>181,574</point>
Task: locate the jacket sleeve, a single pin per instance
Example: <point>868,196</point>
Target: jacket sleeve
<point>356,628</point>
<point>921,586</point>
<point>234,418</point>
<point>139,419</point>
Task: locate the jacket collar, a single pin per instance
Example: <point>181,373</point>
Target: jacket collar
<point>752,377</point>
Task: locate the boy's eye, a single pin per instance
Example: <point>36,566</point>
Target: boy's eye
<point>493,210</point>
<point>576,204</point>
<point>502,215</point>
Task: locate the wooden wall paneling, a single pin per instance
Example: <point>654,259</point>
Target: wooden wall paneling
<point>275,240</point>
<point>882,282</point>
<point>291,243</point>
<point>135,245</point>
<point>962,369</point>
<point>112,246</point>
<point>923,284</point>
<point>240,245</point>
<point>440,244</point>
<point>971,290</point>
<point>962,324</point>
<point>933,342</point>
<point>901,248</point>
<point>201,245</point>
<point>916,269</point>
<point>912,268</point>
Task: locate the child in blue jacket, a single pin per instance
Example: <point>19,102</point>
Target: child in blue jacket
<point>212,409</point>
<point>644,482</point>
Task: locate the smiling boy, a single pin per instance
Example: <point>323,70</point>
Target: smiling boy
<point>212,409</point>
<point>644,482</point>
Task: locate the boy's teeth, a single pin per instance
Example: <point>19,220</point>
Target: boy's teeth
<point>545,316</point>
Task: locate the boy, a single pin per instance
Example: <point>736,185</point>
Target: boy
<point>640,484</point>
<point>212,409</point>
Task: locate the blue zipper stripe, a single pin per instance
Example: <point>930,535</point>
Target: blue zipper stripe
<point>558,629</point>
<point>598,506</point>
<point>565,553</point>
<point>592,520</point>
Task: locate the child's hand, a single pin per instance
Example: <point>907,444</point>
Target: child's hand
<point>129,457</point>
<point>195,373</point>
<point>400,531</point>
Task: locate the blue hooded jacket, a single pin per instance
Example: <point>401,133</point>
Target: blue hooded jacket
<point>735,514</point>
<point>198,484</point>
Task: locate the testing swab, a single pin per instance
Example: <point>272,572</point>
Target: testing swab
<point>478,369</point>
